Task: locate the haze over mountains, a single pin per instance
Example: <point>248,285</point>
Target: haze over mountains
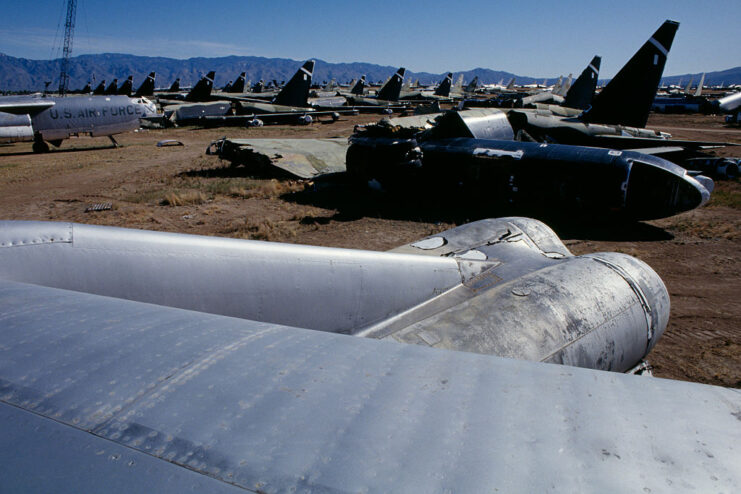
<point>20,74</point>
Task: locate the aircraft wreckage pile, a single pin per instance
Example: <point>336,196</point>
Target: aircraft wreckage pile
<point>171,362</point>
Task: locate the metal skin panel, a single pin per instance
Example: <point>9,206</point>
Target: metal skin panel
<point>96,115</point>
<point>265,281</point>
<point>303,158</point>
<point>730,103</point>
<point>506,287</point>
<point>255,406</point>
<point>192,112</point>
<point>537,301</point>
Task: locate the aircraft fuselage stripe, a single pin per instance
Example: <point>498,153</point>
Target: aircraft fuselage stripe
<point>594,69</point>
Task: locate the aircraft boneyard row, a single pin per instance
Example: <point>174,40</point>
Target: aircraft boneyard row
<point>171,362</point>
<point>475,150</point>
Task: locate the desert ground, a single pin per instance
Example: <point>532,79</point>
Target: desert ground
<point>181,189</point>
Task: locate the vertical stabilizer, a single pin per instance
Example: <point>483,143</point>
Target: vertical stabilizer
<point>296,91</point>
<point>175,86</point>
<point>112,87</point>
<point>147,87</point>
<point>580,93</point>
<point>459,83</point>
<point>689,86</point>
<point>392,89</point>
<point>359,86</point>
<point>100,89</point>
<point>238,86</point>
<point>443,89</point>
<point>698,93</point>
<point>511,84</point>
<point>202,90</point>
<point>472,85</point>
<point>127,87</point>
<point>627,99</point>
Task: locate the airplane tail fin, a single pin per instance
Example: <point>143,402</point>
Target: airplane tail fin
<point>698,93</point>
<point>627,99</point>
<point>392,89</point>
<point>296,91</point>
<point>202,90</point>
<point>444,88</point>
<point>472,85</point>
<point>566,86</point>
<point>689,86</point>
<point>147,87</point>
<point>359,86</point>
<point>100,89</point>
<point>459,83</point>
<point>581,92</point>
<point>87,89</point>
<point>112,87</point>
<point>238,86</point>
<point>511,84</point>
<point>127,86</point>
<point>175,86</point>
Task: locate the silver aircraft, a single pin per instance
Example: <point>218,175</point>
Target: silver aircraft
<point>49,119</point>
<point>139,361</point>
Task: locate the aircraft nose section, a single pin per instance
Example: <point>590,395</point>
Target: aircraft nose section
<point>657,191</point>
<point>648,288</point>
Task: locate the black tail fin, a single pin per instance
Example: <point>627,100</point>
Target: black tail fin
<point>259,86</point>
<point>127,86</point>
<point>87,89</point>
<point>112,87</point>
<point>202,90</point>
<point>392,89</point>
<point>238,86</point>
<point>296,91</point>
<point>472,85</point>
<point>359,86</point>
<point>444,88</point>
<point>147,87</point>
<point>581,92</point>
<point>175,86</point>
<point>627,99</point>
<point>101,88</point>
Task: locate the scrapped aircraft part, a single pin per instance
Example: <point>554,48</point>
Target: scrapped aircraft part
<point>603,311</point>
<point>573,178</point>
<point>720,168</point>
<point>169,143</point>
<point>429,243</point>
<point>101,206</point>
<point>478,124</point>
<point>302,158</point>
<point>137,397</point>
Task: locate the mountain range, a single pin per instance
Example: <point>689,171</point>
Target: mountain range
<point>21,74</point>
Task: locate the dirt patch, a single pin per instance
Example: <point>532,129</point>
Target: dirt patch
<point>180,189</point>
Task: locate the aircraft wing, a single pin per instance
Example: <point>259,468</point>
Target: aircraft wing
<point>25,106</point>
<point>302,158</point>
<point>639,143</point>
<point>104,394</point>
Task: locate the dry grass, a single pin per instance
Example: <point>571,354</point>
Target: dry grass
<point>726,194</point>
<point>184,198</point>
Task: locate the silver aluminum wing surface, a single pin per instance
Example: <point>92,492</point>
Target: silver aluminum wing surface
<point>105,394</point>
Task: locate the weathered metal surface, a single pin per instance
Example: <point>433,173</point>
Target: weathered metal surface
<point>568,177</point>
<point>107,394</point>
<point>601,312</point>
<point>302,158</point>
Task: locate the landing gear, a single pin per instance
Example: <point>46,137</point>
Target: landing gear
<point>115,144</point>
<point>39,145</point>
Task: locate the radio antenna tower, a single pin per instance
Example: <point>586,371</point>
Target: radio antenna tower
<point>69,30</point>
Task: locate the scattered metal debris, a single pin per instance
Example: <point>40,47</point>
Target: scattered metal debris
<point>303,158</point>
<point>168,143</point>
<point>101,206</point>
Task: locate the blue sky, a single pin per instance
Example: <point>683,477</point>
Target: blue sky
<point>539,39</point>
